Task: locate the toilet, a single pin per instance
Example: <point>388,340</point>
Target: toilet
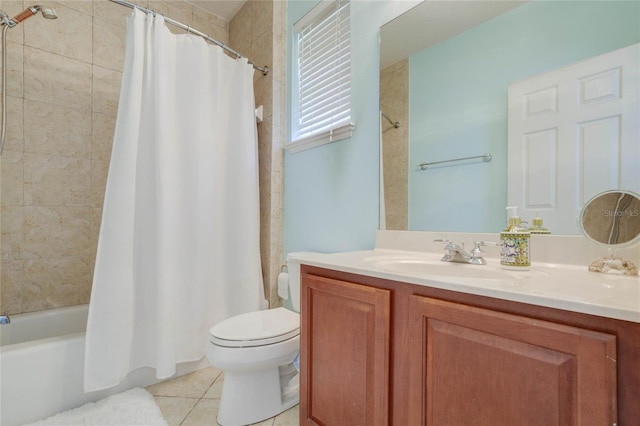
<point>256,351</point>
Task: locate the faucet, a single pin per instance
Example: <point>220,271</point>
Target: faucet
<point>456,253</point>
<point>4,318</point>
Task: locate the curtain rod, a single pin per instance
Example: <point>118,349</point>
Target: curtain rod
<point>264,69</point>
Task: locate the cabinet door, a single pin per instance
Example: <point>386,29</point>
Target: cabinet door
<point>472,366</point>
<point>344,374</point>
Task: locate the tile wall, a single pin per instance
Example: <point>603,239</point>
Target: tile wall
<point>62,93</point>
<point>394,102</point>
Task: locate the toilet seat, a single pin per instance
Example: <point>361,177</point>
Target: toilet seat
<point>256,328</point>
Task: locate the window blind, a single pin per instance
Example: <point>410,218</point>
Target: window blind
<point>322,104</point>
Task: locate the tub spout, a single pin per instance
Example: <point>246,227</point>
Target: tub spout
<point>4,318</point>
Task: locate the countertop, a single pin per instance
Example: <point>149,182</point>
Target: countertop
<point>561,286</point>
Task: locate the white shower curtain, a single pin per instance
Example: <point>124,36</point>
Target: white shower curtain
<point>179,242</point>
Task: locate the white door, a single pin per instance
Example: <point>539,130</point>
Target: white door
<point>573,133</point>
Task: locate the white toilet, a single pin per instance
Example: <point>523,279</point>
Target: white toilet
<point>256,352</point>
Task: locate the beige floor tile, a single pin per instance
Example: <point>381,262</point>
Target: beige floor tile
<point>203,414</point>
<point>268,422</point>
<point>291,417</point>
<point>174,409</point>
<point>193,385</point>
<point>215,391</point>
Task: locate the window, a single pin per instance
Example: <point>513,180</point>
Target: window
<point>322,76</point>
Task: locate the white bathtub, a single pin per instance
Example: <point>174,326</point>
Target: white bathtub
<point>42,362</point>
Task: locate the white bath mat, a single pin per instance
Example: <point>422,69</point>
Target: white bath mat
<point>133,407</point>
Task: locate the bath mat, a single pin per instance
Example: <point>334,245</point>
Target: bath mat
<point>133,407</point>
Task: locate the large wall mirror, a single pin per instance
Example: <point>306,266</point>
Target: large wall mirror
<point>445,73</point>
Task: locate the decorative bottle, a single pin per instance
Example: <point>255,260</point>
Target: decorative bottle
<point>514,244</point>
<point>537,227</point>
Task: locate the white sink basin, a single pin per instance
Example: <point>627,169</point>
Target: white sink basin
<point>429,266</point>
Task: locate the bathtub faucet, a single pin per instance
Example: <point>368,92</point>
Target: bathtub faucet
<point>4,318</point>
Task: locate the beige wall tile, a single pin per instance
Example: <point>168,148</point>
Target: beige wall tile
<point>14,137</point>
<point>103,127</point>
<point>106,90</point>
<point>394,102</point>
<point>262,19</point>
<point>56,231</point>
<point>12,178</point>
<point>11,224</point>
<point>55,282</point>
<point>212,25</point>
<point>96,219</point>
<point>240,30</point>
<point>113,13</point>
<point>56,79</point>
<point>71,68</point>
<point>15,69</point>
<point>84,6</point>
<point>99,172</point>
<point>57,130</point>
<point>69,35</point>
<point>51,180</point>
<point>11,286</point>
<point>108,44</point>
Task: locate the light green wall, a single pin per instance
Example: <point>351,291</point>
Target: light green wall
<point>332,191</point>
<point>458,101</point>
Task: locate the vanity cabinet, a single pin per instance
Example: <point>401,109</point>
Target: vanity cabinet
<point>381,352</point>
<point>476,366</point>
<point>345,329</point>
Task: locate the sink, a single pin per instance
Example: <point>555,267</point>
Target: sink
<point>431,266</point>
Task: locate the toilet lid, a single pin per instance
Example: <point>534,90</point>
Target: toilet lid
<point>256,328</point>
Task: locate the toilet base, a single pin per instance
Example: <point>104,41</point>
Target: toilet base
<point>252,397</point>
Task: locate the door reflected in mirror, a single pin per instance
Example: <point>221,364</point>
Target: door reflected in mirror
<point>450,98</point>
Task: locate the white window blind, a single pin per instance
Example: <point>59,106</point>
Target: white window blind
<point>322,76</point>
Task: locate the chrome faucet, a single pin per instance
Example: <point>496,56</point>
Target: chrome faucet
<point>456,253</point>
<point>4,318</point>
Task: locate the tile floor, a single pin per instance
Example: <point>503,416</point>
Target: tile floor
<point>193,399</point>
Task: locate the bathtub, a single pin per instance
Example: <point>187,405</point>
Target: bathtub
<point>42,363</point>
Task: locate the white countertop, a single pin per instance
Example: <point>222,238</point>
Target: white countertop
<point>567,287</point>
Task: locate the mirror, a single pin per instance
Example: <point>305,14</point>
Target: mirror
<point>612,219</point>
<point>446,67</point>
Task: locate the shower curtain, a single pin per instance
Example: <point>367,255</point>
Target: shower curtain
<point>179,243</point>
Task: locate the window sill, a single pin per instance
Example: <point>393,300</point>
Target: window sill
<point>343,132</point>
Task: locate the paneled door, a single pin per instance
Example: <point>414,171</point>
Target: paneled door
<point>573,133</point>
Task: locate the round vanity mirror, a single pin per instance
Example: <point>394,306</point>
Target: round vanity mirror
<point>612,218</point>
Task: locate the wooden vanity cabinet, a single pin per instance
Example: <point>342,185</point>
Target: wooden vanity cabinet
<point>379,352</point>
<point>345,357</point>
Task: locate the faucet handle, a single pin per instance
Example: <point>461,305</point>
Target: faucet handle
<point>477,247</point>
<point>450,244</point>
<point>441,240</point>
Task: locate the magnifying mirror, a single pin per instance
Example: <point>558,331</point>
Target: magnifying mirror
<point>612,218</point>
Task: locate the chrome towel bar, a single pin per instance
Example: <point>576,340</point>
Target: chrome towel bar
<point>485,157</point>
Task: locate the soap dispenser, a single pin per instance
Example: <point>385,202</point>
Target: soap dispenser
<point>514,244</point>
<point>537,227</point>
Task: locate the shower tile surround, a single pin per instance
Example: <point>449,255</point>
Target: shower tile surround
<point>394,102</point>
<point>63,85</point>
